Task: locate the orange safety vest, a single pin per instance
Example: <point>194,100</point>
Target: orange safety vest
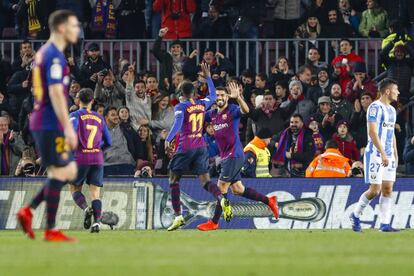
<point>331,163</point>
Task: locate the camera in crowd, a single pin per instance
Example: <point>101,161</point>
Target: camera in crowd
<point>144,170</point>
<point>103,72</point>
<point>357,169</point>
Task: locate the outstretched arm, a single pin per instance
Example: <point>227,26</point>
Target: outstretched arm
<point>178,123</point>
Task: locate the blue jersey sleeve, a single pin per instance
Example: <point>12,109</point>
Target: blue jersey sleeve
<point>178,122</point>
<point>374,113</point>
<point>55,67</point>
<point>106,136</point>
<point>212,96</point>
<point>74,118</point>
<point>208,116</point>
<point>235,111</point>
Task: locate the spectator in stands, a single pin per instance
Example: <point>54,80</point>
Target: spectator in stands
<point>295,147</point>
<point>18,89</point>
<point>360,83</point>
<point>75,104</point>
<point>281,89</point>
<point>339,104</point>
<point>348,14</point>
<point>270,115</point>
<point>25,58</point>
<point>174,88</point>
<point>313,60</point>
<point>408,155</point>
<point>247,79</point>
<point>73,91</point>
<point>318,139</point>
<point>304,75</point>
<point>93,65</point>
<point>281,71</point>
<point>374,21</point>
<point>100,108</point>
<point>170,62</point>
<point>176,16</point>
<point>5,73</point>
<point>162,116</point>
<point>214,26</point>
<point>304,107</point>
<point>326,117</point>
<point>152,86</point>
<point>329,164</point>
<point>286,16</point>
<point>23,122</point>
<point>130,19</point>
<point>218,63</point>
<point>320,9</point>
<point>336,27</point>
<point>145,151</point>
<point>344,63</point>
<point>260,83</point>
<point>123,114</point>
<point>346,143</point>
<point>357,169</point>
<point>310,30</point>
<point>144,170</point>
<point>398,36</point>
<point>118,159</point>
<point>109,91</point>
<point>137,100</point>
<point>11,148</point>
<point>359,120</point>
<point>257,155</point>
<point>323,87</point>
<point>400,66</point>
<point>104,21</point>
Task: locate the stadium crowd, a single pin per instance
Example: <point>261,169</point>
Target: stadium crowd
<point>294,116</point>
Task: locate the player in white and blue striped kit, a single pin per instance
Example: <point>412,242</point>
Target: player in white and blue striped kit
<point>381,156</point>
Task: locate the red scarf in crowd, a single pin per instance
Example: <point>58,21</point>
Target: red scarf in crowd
<point>284,145</point>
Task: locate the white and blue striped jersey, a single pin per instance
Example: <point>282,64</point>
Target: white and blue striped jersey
<point>385,116</point>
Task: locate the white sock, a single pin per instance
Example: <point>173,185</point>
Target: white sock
<point>385,209</point>
<point>362,203</point>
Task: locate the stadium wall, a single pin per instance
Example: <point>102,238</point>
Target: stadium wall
<point>145,204</point>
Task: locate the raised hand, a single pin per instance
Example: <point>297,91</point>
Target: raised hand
<point>235,90</point>
<point>163,32</point>
<point>205,68</point>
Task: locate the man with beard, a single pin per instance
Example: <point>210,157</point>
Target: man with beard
<point>270,115</point>
<point>170,62</point>
<point>295,148</point>
<point>226,121</point>
<point>93,65</point>
<point>360,83</point>
<point>323,88</point>
<point>326,117</point>
<point>339,104</point>
<point>336,27</point>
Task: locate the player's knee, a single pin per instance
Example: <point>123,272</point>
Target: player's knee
<point>386,191</point>
<point>237,189</point>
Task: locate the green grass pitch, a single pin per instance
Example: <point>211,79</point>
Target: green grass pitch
<point>223,252</point>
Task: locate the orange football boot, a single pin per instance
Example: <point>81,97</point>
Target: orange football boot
<point>273,206</point>
<point>24,216</point>
<point>55,235</point>
<point>208,226</point>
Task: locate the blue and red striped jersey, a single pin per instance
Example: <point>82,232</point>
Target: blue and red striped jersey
<point>93,134</point>
<point>226,130</point>
<point>49,68</point>
<point>189,121</point>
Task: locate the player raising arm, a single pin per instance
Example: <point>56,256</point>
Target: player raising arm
<point>93,135</point>
<point>226,122</point>
<point>52,131</point>
<point>191,154</point>
<point>381,156</point>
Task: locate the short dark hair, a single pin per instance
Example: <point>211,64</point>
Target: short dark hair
<point>109,109</point>
<point>187,88</point>
<point>282,83</point>
<point>222,88</point>
<point>331,144</point>
<point>297,115</point>
<point>25,42</point>
<point>346,39</point>
<point>262,76</point>
<point>314,48</point>
<point>85,95</point>
<point>269,93</point>
<point>385,84</point>
<point>140,81</point>
<point>303,68</point>
<point>396,26</point>
<point>99,105</point>
<point>58,18</point>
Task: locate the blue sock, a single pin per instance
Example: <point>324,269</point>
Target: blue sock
<point>80,200</point>
<point>97,210</point>
<point>52,197</point>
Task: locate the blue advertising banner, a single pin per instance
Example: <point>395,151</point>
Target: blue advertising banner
<point>145,203</point>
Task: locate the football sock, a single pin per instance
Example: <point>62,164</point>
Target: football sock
<point>213,189</point>
<point>362,203</point>
<point>52,197</point>
<point>217,212</point>
<point>175,198</point>
<point>385,209</point>
<point>254,195</point>
<point>39,197</point>
<point>80,200</point>
<point>97,209</point>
